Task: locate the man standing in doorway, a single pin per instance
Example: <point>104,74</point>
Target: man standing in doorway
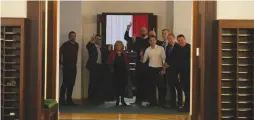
<point>164,43</point>
<point>172,65</point>
<point>139,45</point>
<point>184,72</point>
<point>155,55</point>
<point>68,62</point>
<point>95,67</point>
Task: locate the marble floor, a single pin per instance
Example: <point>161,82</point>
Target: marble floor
<point>78,116</point>
<point>108,111</point>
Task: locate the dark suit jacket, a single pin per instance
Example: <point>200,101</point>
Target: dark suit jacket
<point>172,59</point>
<point>184,57</point>
<point>140,44</point>
<point>160,43</point>
<point>93,55</point>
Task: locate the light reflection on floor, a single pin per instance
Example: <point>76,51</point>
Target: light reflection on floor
<point>91,115</point>
<point>69,116</point>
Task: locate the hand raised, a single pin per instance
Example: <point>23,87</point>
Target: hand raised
<point>92,39</point>
<point>129,26</point>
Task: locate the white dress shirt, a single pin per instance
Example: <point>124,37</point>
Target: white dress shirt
<point>155,55</point>
<point>99,59</point>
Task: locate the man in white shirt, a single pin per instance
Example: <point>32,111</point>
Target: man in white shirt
<point>156,56</point>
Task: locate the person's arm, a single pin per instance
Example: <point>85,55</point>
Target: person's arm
<point>110,61</point>
<point>60,54</point>
<point>77,46</point>
<point>167,58</point>
<point>163,56</point>
<point>89,45</point>
<point>126,36</point>
<point>145,56</point>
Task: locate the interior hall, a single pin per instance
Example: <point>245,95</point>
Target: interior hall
<point>127,60</point>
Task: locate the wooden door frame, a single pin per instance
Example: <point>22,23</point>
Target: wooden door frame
<point>207,17</point>
<point>195,65</point>
<point>52,49</point>
<point>204,86</point>
<point>198,85</point>
<point>33,97</point>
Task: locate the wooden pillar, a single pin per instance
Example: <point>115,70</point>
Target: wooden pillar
<point>195,65</point>
<point>208,55</point>
<point>33,61</point>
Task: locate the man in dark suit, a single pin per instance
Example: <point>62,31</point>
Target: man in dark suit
<point>171,65</point>
<point>164,42</point>
<point>139,44</point>
<point>68,61</point>
<point>184,72</point>
<point>95,67</point>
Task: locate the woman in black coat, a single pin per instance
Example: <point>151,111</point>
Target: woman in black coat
<point>118,62</point>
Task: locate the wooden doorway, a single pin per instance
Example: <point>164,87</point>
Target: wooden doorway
<point>198,98</point>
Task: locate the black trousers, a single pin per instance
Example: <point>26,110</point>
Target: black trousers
<point>96,84</point>
<point>69,78</point>
<point>120,84</point>
<point>109,87</point>
<point>172,80</point>
<point>184,86</point>
<point>141,79</point>
<point>156,81</point>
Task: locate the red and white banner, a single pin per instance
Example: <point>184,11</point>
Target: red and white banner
<point>116,26</point>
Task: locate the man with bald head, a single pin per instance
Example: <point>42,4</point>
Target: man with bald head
<point>139,45</point>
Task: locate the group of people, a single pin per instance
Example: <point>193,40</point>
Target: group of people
<point>160,64</point>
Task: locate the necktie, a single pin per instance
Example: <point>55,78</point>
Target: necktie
<point>164,45</point>
<point>170,49</point>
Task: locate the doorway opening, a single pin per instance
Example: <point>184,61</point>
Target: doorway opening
<point>103,33</point>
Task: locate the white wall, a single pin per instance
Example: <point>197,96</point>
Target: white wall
<point>235,10</point>
<point>183,19</point>
<point>183,24</point>
<point>14,9</point>
<point>70,20</point>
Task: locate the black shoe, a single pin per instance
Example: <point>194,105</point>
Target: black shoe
<point>124,103</point>
<point>183,109</point>
<point>136,103</point>
<point>152,105</point>
<point>117,103</point>
<point>62,101</point>
<point>70,102</point>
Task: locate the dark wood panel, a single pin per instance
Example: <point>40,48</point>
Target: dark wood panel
<point>236,23</point>
<point>14,46</point>
<point>52,49</point>
<point>237,42</point>
<point>208,48</point>
<point>50,39</point>
<point>195,80</point>
<point>33,98</point>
